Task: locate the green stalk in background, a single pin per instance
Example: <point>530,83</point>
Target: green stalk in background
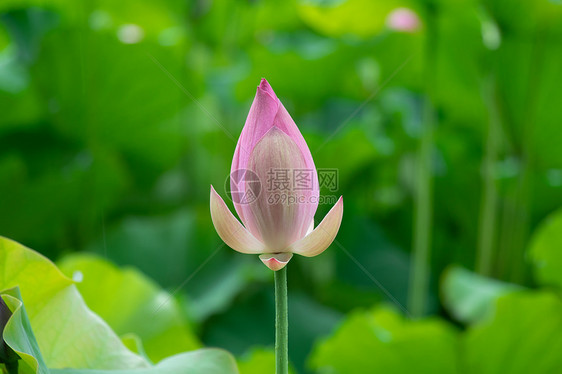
<point>519,271</point>
<point>489,202</point>
<point>281,323</point>
<point>419,276</point>
<point>517,212</point>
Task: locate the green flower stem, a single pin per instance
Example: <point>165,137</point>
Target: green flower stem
<point>423,199</point>
<point>281,323</point>
<point>489,202</point>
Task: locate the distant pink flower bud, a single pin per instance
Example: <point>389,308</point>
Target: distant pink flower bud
<point>403,19</point>
<point>278,218</point>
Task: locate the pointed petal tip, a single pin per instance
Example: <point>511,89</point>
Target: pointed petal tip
<point>230,229</point>
<point>276,261</point>
<point>264,84</point>
<point>265,87</point>
<point>323,235</point>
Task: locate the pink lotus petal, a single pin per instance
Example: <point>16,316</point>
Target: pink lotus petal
<point>280,214</point>
<point>323,235</point>
<point>276,261</point>
<point>266,113</point>
<point>310,228</point>
<point>230,230</point>
<point>284,122</point>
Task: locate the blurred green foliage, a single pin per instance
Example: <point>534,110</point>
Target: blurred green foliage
<point>131,303</point>
<point>68,334</point>
<point>116,116</point>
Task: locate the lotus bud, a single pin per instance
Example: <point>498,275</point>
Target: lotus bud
<point>274,187</point>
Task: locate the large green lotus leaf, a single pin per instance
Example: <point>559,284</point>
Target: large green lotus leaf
<point>545,250</point>
<point>382,341</point>
<point>363,18</point>
<point>134,343</point>
<point>457,67</point>
<point>307,57</point>
<point>365,152</point>
<point>529,94</point>
<point>36,166</point>
<point>109,15</point>
<point>202,361</point>
<point>524,336</point>
<point>158,20</point>
<point>18,334</point>
<point>470,297</point>
<point>138,241</point>
<point>68,333</point>
<point>132,303</point>
<point>252,20</point>
<point>7,5</point>
<point>113,84</point>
